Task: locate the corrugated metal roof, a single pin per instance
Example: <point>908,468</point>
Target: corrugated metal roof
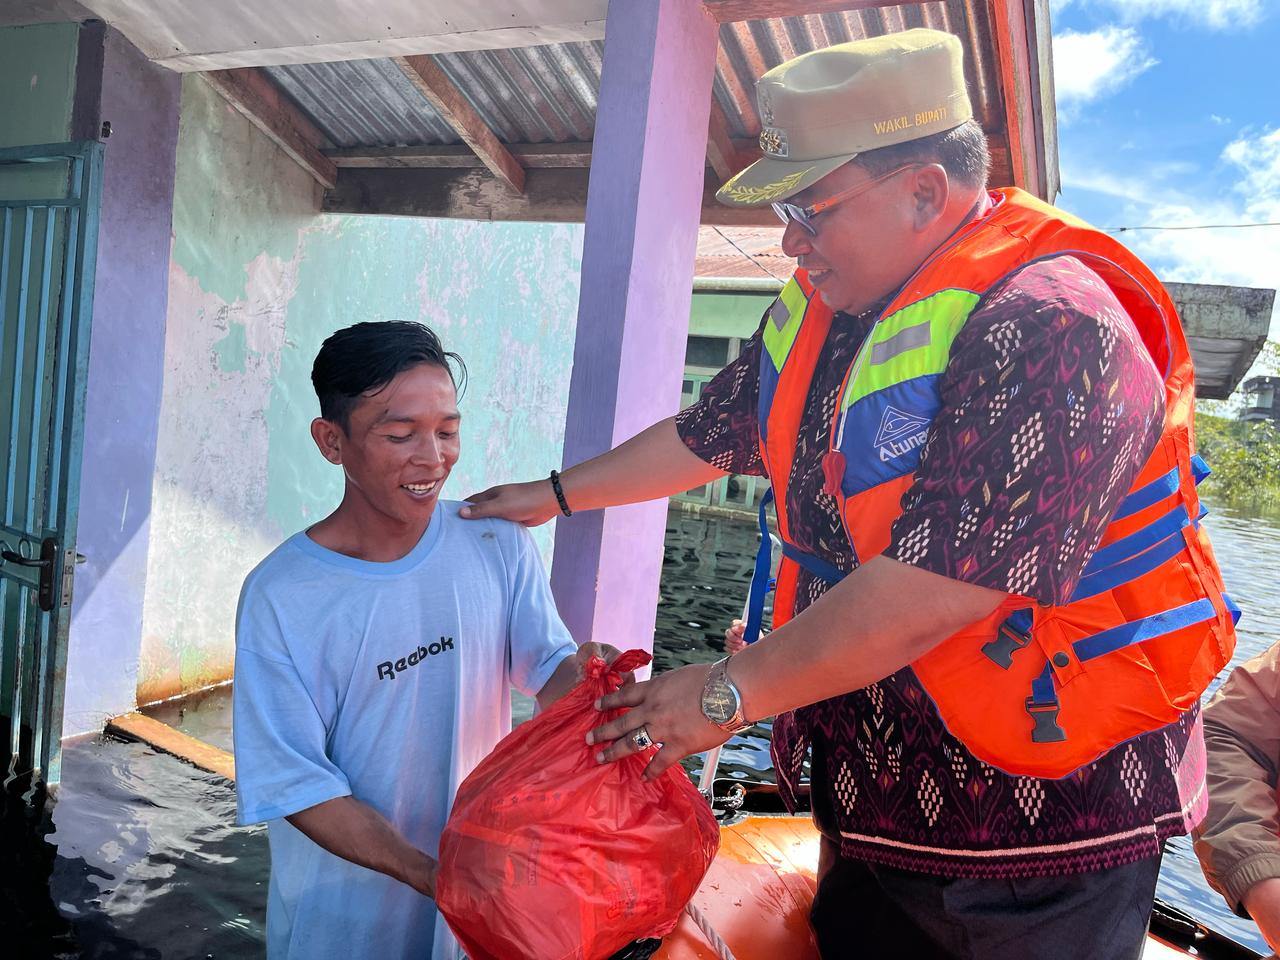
<point>364,103</point>
<point>548,94</point>
<point>543,94</point>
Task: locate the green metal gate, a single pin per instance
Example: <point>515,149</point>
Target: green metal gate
<point>49,203</point>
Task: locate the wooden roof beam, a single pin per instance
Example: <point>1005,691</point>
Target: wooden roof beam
<point>725,155</point>
<point>729,11</point>
<point>532,156</point>
<point>551,195</point>
<point>432,82</point>
<point>255,96</point>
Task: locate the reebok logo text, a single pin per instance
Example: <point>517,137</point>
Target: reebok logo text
<point>388,670</point>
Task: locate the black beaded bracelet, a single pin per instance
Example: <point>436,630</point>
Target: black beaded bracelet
<point>555,485</point>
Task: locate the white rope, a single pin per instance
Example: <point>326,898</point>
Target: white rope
<point>708,931</point>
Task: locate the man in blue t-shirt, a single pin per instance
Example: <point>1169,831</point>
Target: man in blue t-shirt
<point>375,655</point>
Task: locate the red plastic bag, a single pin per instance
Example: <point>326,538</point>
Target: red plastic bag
<point>550,855</point>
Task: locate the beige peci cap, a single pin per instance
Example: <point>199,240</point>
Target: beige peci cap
<point>823,108</point>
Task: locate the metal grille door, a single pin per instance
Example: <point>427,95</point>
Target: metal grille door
<point>49,202</point>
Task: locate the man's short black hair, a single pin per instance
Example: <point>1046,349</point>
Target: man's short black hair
<point>961,151</point>
<point>365,356</point>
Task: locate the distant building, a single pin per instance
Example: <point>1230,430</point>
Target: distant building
<point>1226,328</point>
<point>1261,399</point>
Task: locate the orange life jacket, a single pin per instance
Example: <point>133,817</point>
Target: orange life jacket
<point>1147,627</point>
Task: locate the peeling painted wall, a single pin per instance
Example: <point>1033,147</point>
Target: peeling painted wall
<point>125,376</point>
<point>258,279</point>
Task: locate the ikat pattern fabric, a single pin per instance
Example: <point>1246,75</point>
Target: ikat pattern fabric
<point>1050,407</point>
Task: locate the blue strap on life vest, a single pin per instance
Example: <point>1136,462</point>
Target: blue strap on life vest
<point>1140,540</point>
<point>1020,620</point>
<point>1158,489</point>
<point>760,582</point>
<point>815,565</point>
<point>1105,571</point>
<point>1148,628</point>
<point>1199,469</point>
<point>1232,609</point>
<point>1133,568</point>
<point>1042,706</point>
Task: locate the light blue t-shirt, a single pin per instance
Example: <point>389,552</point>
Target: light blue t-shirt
<point>388,682</point>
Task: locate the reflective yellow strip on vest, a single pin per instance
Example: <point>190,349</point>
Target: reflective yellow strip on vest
<point>784,322</point>
<point>913,342</point>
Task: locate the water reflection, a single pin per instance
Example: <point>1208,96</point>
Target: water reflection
<point>150,863</point>
<point>706,570</point>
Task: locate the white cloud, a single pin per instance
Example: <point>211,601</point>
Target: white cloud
<point>1259,158</point>
<point>1141,190</point>
<point>1095,64</point>
<point>1244,256</point>
<point>1248,257</point>
<point>1214,14</point>
<point>1220,121</point>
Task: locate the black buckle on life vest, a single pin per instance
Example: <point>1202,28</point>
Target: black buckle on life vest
<point>1045,716</point>
<point>1007,642</point>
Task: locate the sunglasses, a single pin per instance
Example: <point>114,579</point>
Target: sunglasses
<point>792,212</point>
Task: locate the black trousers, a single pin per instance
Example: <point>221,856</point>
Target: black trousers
<point>863,911</point>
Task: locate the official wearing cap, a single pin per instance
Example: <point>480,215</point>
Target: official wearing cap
<point>952,398</point>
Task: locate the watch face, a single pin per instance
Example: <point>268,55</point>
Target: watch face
<point>718,702</point>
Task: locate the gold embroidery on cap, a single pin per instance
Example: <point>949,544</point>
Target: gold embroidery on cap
<point>763,194</point>
<point>889,126</point>
<point>774,142</point>
<point>906,121</point>
<point>936,115</point>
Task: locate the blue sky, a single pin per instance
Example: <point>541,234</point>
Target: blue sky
<point>1169,114</point>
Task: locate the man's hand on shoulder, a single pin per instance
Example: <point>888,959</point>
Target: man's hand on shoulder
<point>530,503</point>
<point>573,668</point>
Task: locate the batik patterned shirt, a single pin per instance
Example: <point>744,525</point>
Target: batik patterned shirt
<point>1050,406</point>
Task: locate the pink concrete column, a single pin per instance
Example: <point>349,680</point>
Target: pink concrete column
<point>643,204</point>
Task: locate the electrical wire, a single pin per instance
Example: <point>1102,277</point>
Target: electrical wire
<point>1194,226</point>
<point>729,241</point>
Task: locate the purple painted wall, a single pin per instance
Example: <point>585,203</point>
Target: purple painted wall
<point>125,377</point>
<point>643,205</point>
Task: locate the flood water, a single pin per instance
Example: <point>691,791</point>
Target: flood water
<point>144,860</point>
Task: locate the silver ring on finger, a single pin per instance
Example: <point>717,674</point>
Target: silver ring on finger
<point>641,739</point>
